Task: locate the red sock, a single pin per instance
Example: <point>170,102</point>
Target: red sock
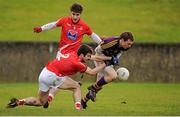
<point>78,105</point>
<point>50,98</point>
<point>21,102</point>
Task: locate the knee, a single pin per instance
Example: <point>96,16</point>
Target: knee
<point>113,76</point>
<point>76,86</point>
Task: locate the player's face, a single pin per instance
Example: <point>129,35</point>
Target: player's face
<point>87,57</point>
<point>75,16</point>
<point>126,44</point>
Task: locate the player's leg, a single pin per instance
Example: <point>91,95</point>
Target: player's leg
<point>111,74</point>
<point>87,97</point>
<point>44,85</point>
<point>31,101</point>
<point>52,82</point>
<point>109,77</point>
<point>74,86</point>
<point>52,93</point>
<point>36,101</point>
<point>46,80</point>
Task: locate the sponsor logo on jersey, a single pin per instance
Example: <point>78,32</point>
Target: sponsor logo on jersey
<point>72,34</point>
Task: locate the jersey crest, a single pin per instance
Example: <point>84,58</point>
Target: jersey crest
<point>72,34</point>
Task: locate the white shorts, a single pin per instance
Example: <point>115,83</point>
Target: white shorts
<point>49,79</point>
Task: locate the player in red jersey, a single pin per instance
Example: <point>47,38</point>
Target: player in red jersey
<point>73,28</point>
<point>56,74</point>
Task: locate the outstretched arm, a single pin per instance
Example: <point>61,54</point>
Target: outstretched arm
<point>95,70</point>
<point>100,57</point>
<point>96,38</point>
<point>45,27</point>
<point>49,26</point>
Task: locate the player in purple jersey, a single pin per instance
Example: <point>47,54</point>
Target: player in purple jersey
<point>114,47</point>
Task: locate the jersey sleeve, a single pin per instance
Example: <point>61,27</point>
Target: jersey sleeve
<point>88,30</point>
<point>81,67</point>
<point>60,21</point>
<point>108,43</point>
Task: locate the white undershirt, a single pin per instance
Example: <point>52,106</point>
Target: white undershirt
<point>96,38</point>
<point>49,26</point>
<point>52,25</point>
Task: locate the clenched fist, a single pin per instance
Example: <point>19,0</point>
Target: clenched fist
<point>37,29</point>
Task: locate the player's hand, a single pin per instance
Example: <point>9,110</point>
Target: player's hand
<point>114,60</point>
<point>37,29</point>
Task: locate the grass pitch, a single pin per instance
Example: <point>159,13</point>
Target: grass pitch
<point>140,98</point>
<point>149,20</point>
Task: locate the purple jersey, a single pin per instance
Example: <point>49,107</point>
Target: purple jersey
<point>111,46</point>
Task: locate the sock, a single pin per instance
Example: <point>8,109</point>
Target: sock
<point>21,102</point>
<point>50,97</point>
<point>98,85</point>
<point>78,105</point>
<point>101,82</point>
<point>86,98</point>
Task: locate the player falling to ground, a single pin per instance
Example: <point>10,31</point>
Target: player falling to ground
<point>73,28</point>
<point>56,73</point>
<point>114,47</point>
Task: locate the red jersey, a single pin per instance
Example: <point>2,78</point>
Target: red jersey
<point>72,33</point>
<point>68,65</point>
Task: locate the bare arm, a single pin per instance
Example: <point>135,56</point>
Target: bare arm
<point>100,57</point>
<point>95,70</point>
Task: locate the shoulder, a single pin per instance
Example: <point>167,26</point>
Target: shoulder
<point>74,57</point>
<point>110,39</point>
<point>109,42</point>
<point>65,18</point>
<point>62,21</point>
<point>82,22</point>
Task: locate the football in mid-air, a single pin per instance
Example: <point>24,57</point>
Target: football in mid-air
<point>122,73</point>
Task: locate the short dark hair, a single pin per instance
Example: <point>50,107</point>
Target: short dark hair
<point>85,49</point>
<point>77,8</point>
<point>126,36</point>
